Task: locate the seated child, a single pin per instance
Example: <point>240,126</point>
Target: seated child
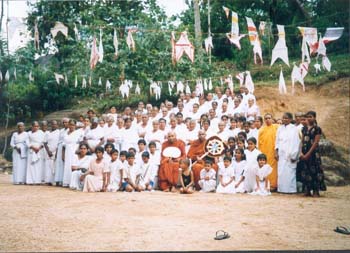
<point>226,177</point>
<point>131,173</point>
<point>262,186</point>
<point>207,180</point>
<point>115,176</point>
<point>186,178</point>
<point>145,181</point>
<point>239,168</point>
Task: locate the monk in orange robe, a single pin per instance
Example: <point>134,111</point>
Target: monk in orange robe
<point>168,174</point>
<point>266,144</point>
<point>195,153</point>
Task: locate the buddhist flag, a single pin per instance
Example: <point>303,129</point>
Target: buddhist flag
<point>252,32</point>
<point>226,10</point>
<point>332,33</point>
<point>310,36</point>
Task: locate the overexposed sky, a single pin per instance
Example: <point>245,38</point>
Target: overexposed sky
<point>18,8</point>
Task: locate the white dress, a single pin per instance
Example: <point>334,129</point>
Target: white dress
<point>262,173</point>
<point>157,137</point>
<point>34,164</point>
<point>81,163</point>
<point>207,185</point>
<point>94,183</point>
<point>249,173</point>
<point>227,174</point>
<point>52,142</point>
<point>59,162</point>
<point>19,160</point>
<point>71,143</point>
<point>239,168</point>
<point>115,168</point>
<point>287,143</point>
<point>119,135</point>
<point>43,157</point>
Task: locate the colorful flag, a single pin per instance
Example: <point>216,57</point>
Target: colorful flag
<point>94,56</point>
<point>183,45</point>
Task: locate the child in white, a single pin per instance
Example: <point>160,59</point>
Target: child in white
<point>116,172</point>
<point>251,155</point>
<point>239,166</point>
<point>207,180</point>
<point>145,181</point>
<point>130,174</point>
<point>226,177</point>
<point>262,186</point>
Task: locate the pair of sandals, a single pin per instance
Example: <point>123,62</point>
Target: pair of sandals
<point>342,230</point>
<point>221,235</point>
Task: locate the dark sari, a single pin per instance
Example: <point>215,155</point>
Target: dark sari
<point>311,173</point>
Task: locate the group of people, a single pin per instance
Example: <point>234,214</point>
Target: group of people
<point>166,149</point>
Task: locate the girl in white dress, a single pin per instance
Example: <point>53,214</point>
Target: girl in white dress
<point>262,186</point>
<point>80,165</point>
<point>93,178</point>
<point>115,174</point>
<point>226,177</point>
<point>71,143</point>
<point>251,154</point>
<point>239,166</point>
<point>19,154</point>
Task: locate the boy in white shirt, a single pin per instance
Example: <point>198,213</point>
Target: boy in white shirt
<point>144,181</point>
<point>130,174</point>
<point>207,180</point>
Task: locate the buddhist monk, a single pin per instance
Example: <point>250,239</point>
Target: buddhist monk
<point>195,153</point>
<point>169,167</point>
<point>267,139</point>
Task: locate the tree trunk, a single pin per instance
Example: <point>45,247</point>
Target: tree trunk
<point>197,25</point>
<point>1,18</point>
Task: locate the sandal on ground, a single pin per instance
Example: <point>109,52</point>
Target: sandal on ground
<point>221,235</point>
<point>342,230</point>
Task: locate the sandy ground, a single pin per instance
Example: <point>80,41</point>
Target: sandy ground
<point>43,218</point>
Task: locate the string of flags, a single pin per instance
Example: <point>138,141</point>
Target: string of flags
<point>312,44</point>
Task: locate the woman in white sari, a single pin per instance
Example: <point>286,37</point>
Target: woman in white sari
<point>59,163</point>
<point>80,165</point>
<point>35,143</point>
<point>19,154</point>
<point>71,141</point>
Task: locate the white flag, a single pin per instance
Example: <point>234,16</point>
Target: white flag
<point>137,89</point>
<point>100,82</point>
<point>305,56</point>
<point>76,81</point>
<point>83,85</point>
<point>326,64</point>
<point>249,82</point>
<point>205,84</point>
<point>58,77</point>
<point>210,84</point>
<point>108,85</point>
<point>100,48</point>
<point>280,50</point>
<point>282,84</point>
<point>31,78</point>
<point>7,76</point>
<point>115,42</point>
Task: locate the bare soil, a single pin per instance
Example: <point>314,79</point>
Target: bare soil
<point>44,218</point>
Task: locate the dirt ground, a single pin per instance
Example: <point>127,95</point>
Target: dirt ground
<point>43,218</point>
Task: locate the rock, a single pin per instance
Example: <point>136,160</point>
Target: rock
<point>332,179</point>
<point>335,166</point>
<point>327,148</point>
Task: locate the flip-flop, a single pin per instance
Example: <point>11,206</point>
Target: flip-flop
<point>222,236</point>
<point>342,230</point>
